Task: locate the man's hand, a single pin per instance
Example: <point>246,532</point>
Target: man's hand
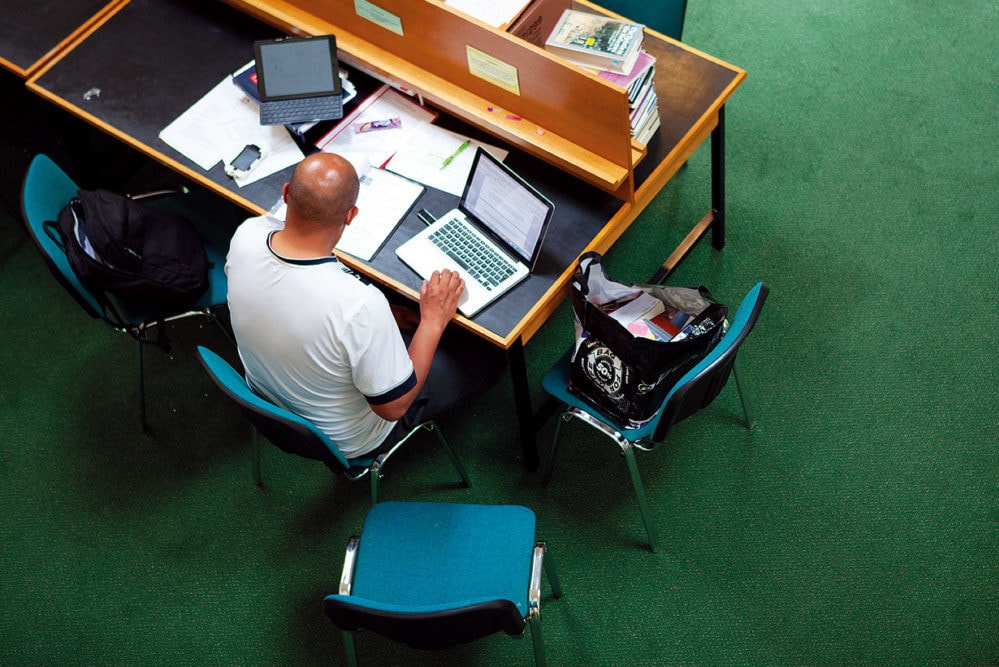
<point>439,298</point>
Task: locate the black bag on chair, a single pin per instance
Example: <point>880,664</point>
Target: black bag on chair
<point>118,245</point>
<point>633,342</point>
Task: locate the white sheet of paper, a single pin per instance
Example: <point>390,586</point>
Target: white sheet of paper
<point>384,198</point>
<point>378,145</point>
<point>220,124</point>
<point>494,12</point>
<point>423,157</point>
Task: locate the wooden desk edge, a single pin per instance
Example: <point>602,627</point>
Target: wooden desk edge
<point>547,304</point>
<point>67,43</point>
<point>485,114</point>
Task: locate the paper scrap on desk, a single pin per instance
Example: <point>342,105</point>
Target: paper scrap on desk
<point>220,124</point>
<point>378,146</point>
<point>422,158</point>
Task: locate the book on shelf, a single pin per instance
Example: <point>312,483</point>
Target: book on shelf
<point>645,133</point>
<point>642,99</point>
<point>643,107</point>
<point>597,42</point>
<point>635,79</point>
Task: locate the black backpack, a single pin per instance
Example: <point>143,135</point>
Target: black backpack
<point>117,245</point>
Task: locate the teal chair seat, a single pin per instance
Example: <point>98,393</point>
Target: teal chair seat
<point>435,575</point>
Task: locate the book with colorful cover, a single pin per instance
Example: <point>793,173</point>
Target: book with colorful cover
<point>634,79</point>
<point>597,42</point>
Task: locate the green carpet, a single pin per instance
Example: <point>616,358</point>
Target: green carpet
<point>858,524</point>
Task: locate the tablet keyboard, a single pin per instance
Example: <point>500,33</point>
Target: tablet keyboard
<point>279,112</point>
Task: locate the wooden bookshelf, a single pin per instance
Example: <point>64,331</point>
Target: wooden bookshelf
<point>563,114</point>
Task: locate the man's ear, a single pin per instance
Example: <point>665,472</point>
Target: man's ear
<point>351,214</point>
<point>284,192</point>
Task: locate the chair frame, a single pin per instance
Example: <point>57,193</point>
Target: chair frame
<point>673,410</point>
<point>269,420</point>
<point>103,306</point>
<point>541,563</point>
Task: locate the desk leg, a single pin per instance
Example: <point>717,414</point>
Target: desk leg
<point>714,219</point>
<point>522,404</point>
<point>718,182</point>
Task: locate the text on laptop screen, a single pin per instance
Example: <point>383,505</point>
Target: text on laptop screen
<point>510,208</point>
<point>297,68</point>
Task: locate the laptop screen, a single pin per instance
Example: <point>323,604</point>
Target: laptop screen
<point>506,206</point>
<point>297,67</point>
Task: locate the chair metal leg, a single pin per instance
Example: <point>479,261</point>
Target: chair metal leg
<point>743,397</point>
<point>348,648</point>
<point>432,426</point>
<point>142,388</point>
<point>538,640</point>
<point>540,562</point>
<point>643,504</point>
<point>552,572</point>
<point>550,468</point>
<point>256,458</point>
<point>375,475</point>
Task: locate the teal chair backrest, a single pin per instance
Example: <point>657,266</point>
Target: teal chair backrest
<point>701,384</point>
<point>46,190</point>
<point>665,16</point>
<point>283,428</point>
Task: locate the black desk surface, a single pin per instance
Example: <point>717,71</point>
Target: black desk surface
<point>151,61</point>
<point>146,81</point>
<point>154,58</point>
<point>32,28</point>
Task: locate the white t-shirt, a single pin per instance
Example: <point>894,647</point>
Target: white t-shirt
<point>315,338</point>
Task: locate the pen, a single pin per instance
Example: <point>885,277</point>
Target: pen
<point>425,217</point>
<point>455,154</point>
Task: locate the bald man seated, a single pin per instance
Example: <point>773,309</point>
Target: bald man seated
<point>322,342</point>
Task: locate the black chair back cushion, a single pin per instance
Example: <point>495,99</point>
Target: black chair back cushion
<point>431,631</point>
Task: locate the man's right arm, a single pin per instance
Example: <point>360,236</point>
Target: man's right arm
<point>438,303</point>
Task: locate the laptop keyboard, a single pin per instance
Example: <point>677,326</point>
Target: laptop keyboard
<point>484,264</point>
<point>301,110</point>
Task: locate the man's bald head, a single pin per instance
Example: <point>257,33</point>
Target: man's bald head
<point>323,190</point>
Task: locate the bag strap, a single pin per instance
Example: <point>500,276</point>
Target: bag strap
<point>581,277</point>
<point>51,228</point>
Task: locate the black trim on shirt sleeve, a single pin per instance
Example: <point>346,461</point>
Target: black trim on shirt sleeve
<point>393,393</point>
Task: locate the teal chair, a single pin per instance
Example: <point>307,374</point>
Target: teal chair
<point>297,435</point>
<point>695,390</point>
<point>45,191</point>
<point>436,575</point>
<point>665,16</point>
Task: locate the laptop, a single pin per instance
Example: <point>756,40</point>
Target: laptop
<point>298,79</point>
<point>493,239</point>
